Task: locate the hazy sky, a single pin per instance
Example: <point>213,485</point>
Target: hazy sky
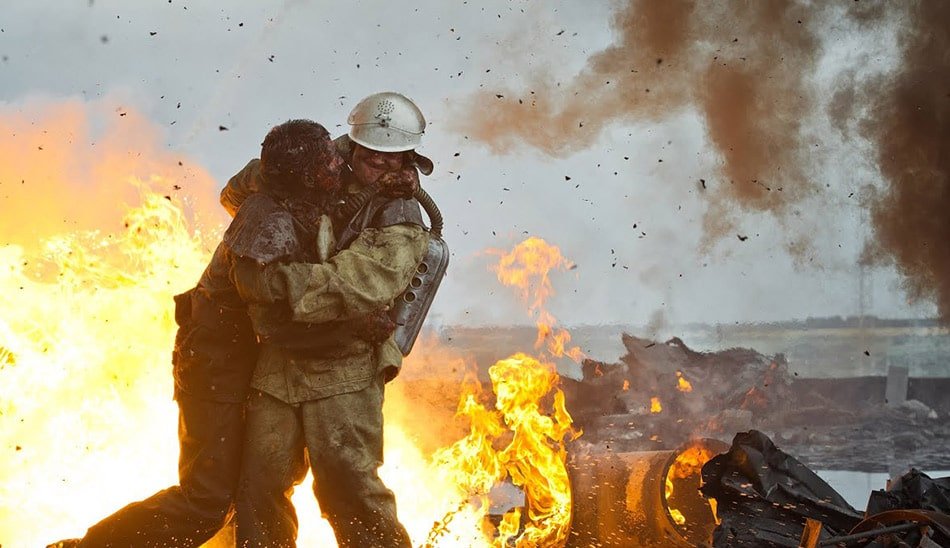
<point>630,214</point>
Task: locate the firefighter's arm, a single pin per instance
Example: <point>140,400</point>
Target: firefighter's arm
<point>359,280</point>
<point>243,184</point>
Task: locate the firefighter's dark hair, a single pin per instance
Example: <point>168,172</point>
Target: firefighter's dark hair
<point>292,152</point>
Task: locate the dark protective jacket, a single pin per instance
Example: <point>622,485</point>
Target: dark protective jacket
<point>215,348</point>
<point>305,309</point>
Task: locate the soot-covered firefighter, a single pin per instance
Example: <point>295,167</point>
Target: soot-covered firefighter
<point>317,393</point>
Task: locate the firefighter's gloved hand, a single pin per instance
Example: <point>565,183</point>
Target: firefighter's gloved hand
<point>375,327</point>
<point>401,183</point>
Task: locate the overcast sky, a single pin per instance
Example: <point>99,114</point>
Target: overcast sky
<point>630,216</point>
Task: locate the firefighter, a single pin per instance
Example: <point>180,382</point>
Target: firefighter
<point>216,351</point>
<point>316,394</point>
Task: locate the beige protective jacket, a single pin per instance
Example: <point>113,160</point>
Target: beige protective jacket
<point>365,277</point>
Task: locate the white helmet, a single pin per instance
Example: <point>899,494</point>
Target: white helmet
<point>387,122</point>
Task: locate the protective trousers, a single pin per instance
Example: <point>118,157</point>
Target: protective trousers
<point>211,438</point>
<point>343,436</point>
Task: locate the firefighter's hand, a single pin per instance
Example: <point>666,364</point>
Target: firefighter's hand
<point>375,327</point>
<point>401,183</point>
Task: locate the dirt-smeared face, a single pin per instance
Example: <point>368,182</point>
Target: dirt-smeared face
<point>368,165</point>
<point>325,174</point>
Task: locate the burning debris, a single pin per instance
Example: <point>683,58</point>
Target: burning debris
<point>661,395</point>
<point>642,498</point>
<point>642,403</point>
<point>530,433</point>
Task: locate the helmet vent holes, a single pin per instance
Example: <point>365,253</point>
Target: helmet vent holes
<point>385,107</point>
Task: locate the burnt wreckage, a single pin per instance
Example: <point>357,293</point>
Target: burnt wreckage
<point>642,477</point>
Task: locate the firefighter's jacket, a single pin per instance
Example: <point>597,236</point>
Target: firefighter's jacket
<point>305,312</point>
<point>215,348</point>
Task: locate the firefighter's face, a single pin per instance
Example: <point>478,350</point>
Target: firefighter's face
<point>326,176</point>
<point>368,164</point>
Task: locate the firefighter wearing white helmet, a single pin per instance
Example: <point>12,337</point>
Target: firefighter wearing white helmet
<point>324,389</point>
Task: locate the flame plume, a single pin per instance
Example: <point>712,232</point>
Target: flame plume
<point>530,419</point>
<point>87,327</point>
<point>532,457</point>
<point>526,268</point>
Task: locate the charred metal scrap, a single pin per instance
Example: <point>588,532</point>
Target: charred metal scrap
<point>913,490</point>
<point>764,495</point>
<point>767,498</point>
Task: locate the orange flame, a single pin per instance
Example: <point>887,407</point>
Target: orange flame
<point>655,406</point>
<point>688,463</point>
<point>532,454</point>
<point>85,397</point>
<point>682,384</point>
<point>531,433</point>
<point>527,267</point>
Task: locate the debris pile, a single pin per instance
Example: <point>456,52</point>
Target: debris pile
<point>765,498</point>
<point>913,491</point>
<point>663,394</point>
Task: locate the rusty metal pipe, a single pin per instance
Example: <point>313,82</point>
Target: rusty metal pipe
<point>620,500</point>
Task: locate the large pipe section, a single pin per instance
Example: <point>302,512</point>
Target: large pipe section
<point>620,499</point>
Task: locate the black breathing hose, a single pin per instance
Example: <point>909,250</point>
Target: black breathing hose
<point>432,210</point>
<point>358,200</point>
